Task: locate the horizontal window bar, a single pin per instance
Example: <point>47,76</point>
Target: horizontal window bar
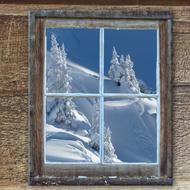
<point>71,95</point>
<point>104,95</point>
<point>131,95</point>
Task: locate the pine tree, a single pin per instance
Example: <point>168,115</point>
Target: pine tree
<point>132,80</point>
<point>65,77</point>
<point>115,70</point>
<point>124,69</point>
<point>109,150</point>
<point>60,74</point>
<point>94,132</point>
<point>65,114</point>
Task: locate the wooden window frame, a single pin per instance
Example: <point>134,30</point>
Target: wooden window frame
<point>45,174</point>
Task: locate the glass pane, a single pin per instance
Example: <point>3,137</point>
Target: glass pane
<point>130,133</point>
<point>72,60</point>
<point>130,61</point>
<point>72,130</point>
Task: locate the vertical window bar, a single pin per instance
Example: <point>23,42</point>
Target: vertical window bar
<point>158,92</point>
<point>101,62</point>
<point>44,96</point>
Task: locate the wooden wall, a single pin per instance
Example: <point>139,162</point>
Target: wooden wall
<point>14,97</point>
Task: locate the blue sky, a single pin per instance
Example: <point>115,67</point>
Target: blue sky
<point>82,47</point>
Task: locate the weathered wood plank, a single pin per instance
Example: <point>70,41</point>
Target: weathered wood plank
<point>181,57</point>
<point>181,27</point>
<point>36,99</point>
<point>13,145</point>
<point>181,185</point>
<point>181,132</point>
<point>13,55</point>
<point>99,2</point>
<point>180,13</point>
<point>165,137</point>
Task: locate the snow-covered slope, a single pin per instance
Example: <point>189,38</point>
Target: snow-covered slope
<point>85,80</point>
<point>64,146</point>
<point>133,126</point>
<point>132,122</point>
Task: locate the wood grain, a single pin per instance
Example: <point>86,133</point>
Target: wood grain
<point>13,99</point>
<point>163,98</point>
<point>181,57</point>
<point>13,139</point>
<point>99,2</point>
<point>36,100</point>
<point>13,59</point>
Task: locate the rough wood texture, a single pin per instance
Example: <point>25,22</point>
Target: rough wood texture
<point>13,56</point>
<point>100,2</point>
<point>180,13</point>
<point>13,99</point>
<point>36,100</point>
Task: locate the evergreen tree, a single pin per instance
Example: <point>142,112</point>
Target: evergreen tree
<point>109,150</point>
<point>124,69</point>
<point>121,71</point>
<point>94,132</point>
<point>59,71</point>
<point>130,74</point>
<point>65,114</point>
<point>60,74</point>
<point>115,70</point>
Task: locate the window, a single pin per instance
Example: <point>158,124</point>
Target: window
<point>100,97</point>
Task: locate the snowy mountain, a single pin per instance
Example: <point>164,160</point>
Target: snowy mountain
<point>89,80</point>
<point>72,124</point>
<point>133,126</point>
<point>132,122</point>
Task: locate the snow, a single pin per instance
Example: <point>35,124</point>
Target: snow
<point>133,129</point>
<point>85,81</point>
<point>118,103</point>
<point>132,122</point>
<point>60,150</point>
<point>52,131</point>
<point>80,117</point>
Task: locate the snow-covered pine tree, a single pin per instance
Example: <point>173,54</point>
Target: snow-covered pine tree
<point>94,131</point>
<point>60,74</point>
<point>109,150</point>
<point>115,70</point>
<point>65,114</point>
<point>124,69</point>
<point>130,74</point>
<point>65,77</point>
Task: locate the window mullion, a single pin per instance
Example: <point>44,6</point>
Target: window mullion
<point>101,62</point>
<point>158,92</point>
<point>44,96</point>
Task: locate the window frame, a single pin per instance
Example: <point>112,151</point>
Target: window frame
<point>91,174</point>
